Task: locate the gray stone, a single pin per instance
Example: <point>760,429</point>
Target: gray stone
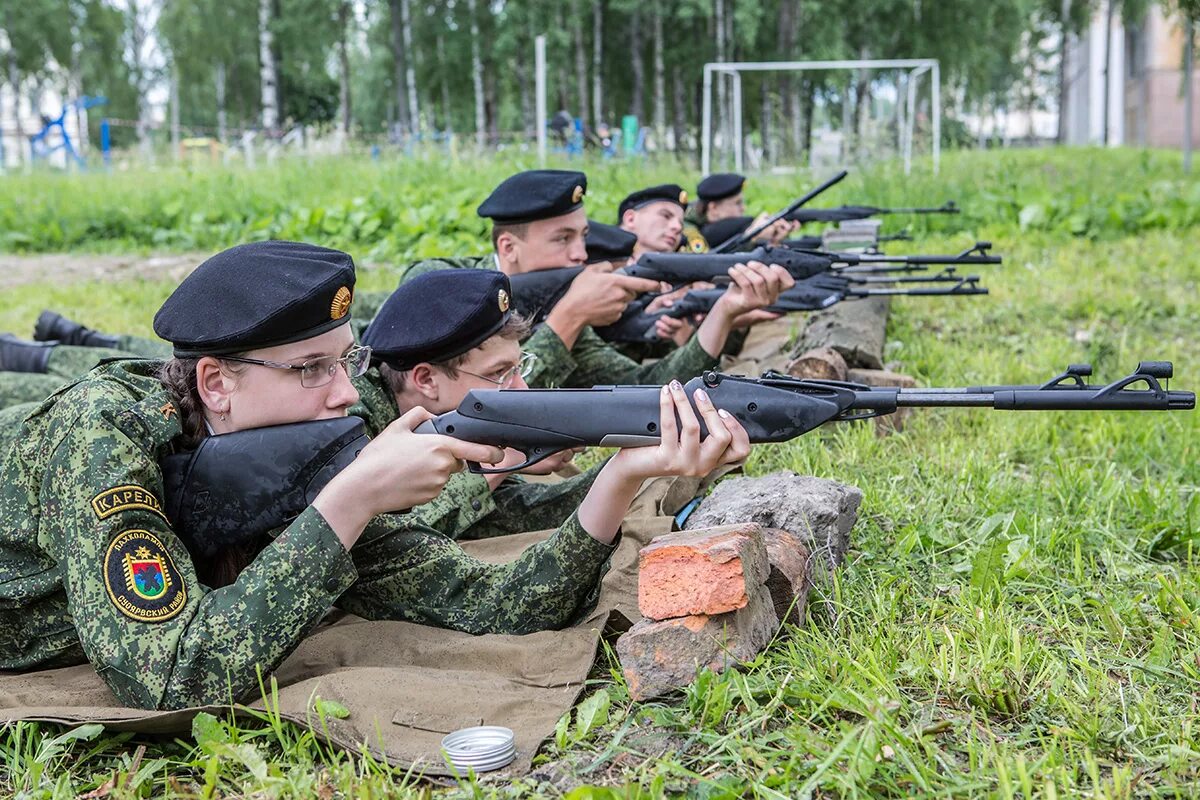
<point>658,657</point>
<point>821,512</point>
<point>855,328</point>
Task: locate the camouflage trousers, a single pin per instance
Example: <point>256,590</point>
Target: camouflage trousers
<point>67,363</point>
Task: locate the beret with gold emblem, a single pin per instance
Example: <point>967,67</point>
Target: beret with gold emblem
<point>258,295</point>
<point>608,243</point>
<point>439,315</point>
<point>534,194</point>
<point>664,193</point>
<point>720,185</point>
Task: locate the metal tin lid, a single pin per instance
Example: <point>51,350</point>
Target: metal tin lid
<point>481,748</point>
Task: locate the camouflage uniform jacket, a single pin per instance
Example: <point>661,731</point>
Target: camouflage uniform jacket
<point>592,361</point>
<point>468,508</point>
<point>90,569</point>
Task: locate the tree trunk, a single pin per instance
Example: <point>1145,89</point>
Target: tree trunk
<point>492,109</point>
<point>637,64</point>
<point>443,68</point>
<point>222,115</point>
<point>597,61</point>
<point>174,100</point>
<point>14,80</point>
<point>1189,34</point>
<point>679,108</point>
<point>660,100</point>
<point>344,109</point>
<point>528,112</point>
<point>808,95</point>
<point>785,41</point>
<point>1063,70</point>
<point>268,76</point>
<point>138,35</point>
<point>1108,20</point>
<point>477,78</point>
<point>399,79</point>
<point>583,109</point>
<point>410,68</point>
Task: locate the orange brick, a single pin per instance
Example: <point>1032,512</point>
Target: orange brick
<point>660,656</point>
<point>708,571</point>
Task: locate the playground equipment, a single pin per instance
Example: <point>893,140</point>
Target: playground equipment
<point>41,145</point>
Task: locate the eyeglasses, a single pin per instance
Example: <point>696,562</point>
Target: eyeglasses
<point>317,372</point>
<point>523,367</point>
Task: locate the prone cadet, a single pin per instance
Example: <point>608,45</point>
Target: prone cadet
<point>539,223</point>
<point>437,337</point>
<point>91,570</point>
<point>719,213</point>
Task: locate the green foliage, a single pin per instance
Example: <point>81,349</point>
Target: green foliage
<point>1019,615</point>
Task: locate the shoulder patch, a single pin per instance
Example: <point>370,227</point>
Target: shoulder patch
<point>141,578</point>
<point>125,498</point>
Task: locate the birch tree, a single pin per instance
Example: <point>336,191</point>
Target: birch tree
<point>268,75</point>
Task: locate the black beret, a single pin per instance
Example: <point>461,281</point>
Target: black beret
<point>608,242</point>
<point>667,192</point>
<point>258,295</point>
<point>535,194</point>
<point>439,315</point>
<point>720,186</point>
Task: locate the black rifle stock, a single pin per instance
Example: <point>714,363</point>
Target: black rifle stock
<point>748,235</point>
<point>773,408</point>
<point>235,487</point>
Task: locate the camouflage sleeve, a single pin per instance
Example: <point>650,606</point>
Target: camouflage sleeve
<point>420,576</point>
<point>554,363</point>
<point>598,363</point>
<point>376,404</point>
<point>155,635</point>
<point>520,506</point>
<point>465,501</point>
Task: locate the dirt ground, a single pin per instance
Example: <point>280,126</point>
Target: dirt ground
<point>17,270</point>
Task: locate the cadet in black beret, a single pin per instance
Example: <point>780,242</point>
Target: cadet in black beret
<point>534,194</point>
<point>609,243</point>
<point>655,216</point>
<point>439,315</point>
<point>720,186</point>
<point>258,295</point>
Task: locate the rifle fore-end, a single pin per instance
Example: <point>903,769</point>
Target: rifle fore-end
<point>773,408</point>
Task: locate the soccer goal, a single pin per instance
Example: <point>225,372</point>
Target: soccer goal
<point>911,70</point>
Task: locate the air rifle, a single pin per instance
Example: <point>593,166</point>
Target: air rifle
<point>773,408</point>
<point>843,213</point>
<point>812,294</point>
<point>748,235</point>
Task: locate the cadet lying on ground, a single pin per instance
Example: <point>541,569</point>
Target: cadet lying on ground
<point>92,570</point>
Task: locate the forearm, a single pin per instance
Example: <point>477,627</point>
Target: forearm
<point>606,504</point>
<point>566,324</point>
<point>714,332</point>
<point>420,576</point>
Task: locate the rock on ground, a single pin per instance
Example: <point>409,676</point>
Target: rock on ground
<point>660,656</point>
<point>821,512</point>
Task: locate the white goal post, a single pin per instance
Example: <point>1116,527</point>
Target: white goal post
<point>916,67</point>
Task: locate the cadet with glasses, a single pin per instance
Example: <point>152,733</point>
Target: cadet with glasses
<point>437,337</point>
<point>92,571</point>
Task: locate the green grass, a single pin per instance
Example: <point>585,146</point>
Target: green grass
<point>1019,615</point>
